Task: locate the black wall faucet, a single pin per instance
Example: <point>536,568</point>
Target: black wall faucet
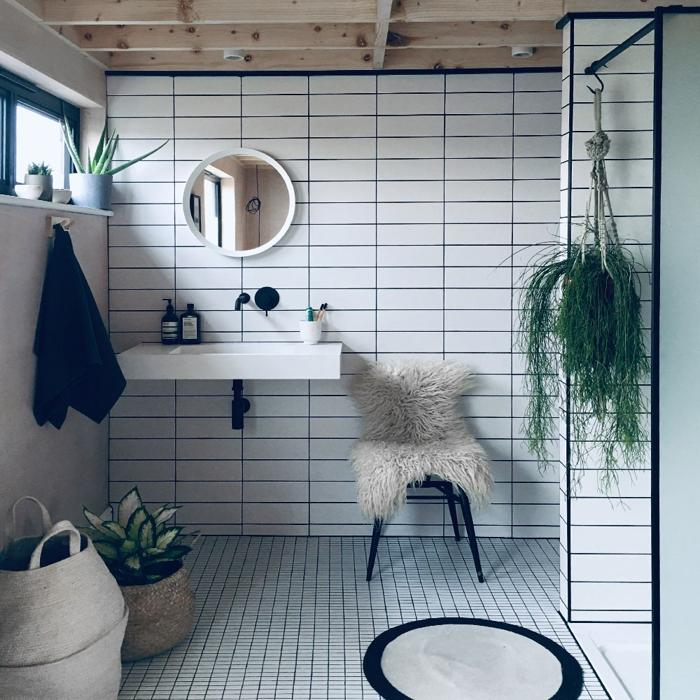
<point>243,298</point>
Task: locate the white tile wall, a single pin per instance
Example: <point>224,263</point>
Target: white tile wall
<point>606,544</point>
<point>416,195</point>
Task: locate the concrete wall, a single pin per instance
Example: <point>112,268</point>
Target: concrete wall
<point>64,468</point>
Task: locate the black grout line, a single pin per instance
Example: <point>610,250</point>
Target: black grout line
<point>175,300</point>
<point>512,304</point>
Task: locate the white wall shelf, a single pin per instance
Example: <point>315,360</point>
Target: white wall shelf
<point>51,206</point>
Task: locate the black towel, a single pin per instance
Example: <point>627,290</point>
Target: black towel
<point>76,365</point>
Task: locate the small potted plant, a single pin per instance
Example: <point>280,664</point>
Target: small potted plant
<point>145,555</point>
<point>91,185</point>
<point>39,174</point>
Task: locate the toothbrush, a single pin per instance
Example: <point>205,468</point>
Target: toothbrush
<point>322,311</point>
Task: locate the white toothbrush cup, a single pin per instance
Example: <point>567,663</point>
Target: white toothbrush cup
<point>310,331</point>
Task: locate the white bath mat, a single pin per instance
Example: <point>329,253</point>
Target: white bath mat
<point>467,659</point>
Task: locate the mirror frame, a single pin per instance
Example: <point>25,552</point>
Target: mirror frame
<point>239,152</point>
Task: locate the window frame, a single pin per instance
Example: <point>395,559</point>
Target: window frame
<point>13,91</point>
<point>217,204</point>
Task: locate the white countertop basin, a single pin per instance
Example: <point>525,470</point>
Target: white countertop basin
<point>232,361</point>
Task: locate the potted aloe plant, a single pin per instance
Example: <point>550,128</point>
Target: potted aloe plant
<point>91,185</point>
<point>40,174</point>
<point>145,555</point>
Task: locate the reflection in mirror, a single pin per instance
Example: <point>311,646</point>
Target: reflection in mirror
<point>240,202</point>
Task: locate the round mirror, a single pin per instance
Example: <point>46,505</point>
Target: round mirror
<point>240,202</point>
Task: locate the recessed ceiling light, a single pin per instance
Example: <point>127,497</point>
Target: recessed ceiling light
<point>522,51</point>
<point>233,55</point>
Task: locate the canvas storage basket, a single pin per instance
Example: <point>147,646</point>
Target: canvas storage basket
<point>63,616</point>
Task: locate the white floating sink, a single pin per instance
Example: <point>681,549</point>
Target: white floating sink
<point>232,361</point>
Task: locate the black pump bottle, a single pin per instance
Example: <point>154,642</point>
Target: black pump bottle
<point>190,328</point>
<point>168,325</point>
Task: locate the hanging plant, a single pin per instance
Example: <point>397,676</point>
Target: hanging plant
<point>582,317</point>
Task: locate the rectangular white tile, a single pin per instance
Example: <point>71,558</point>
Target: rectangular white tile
<point>207,85</point>
<point>208,106</point>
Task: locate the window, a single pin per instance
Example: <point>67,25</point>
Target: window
<point>38,138</point>
<point>30,131</point>
<point>212,209</point>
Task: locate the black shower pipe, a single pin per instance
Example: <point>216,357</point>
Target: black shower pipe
<point>620,48</point>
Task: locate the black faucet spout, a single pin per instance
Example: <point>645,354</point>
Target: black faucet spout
<point>243,298</point>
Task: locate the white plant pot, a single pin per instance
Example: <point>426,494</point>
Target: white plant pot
<point>94,191</point>
<point>43,181</point>
<point>310,331</point>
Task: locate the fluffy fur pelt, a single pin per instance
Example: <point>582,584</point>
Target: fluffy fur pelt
<point>412,428</point>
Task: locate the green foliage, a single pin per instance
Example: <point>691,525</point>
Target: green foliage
<point>101,162</point>
<point>138,547</point>
<point>582,317</point>
<point>38,169</point>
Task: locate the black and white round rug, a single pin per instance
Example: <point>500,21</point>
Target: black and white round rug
<point>455,658</point>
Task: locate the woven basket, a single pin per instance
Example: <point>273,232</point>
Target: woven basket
<point>62,616</point>
<point>160,616</point>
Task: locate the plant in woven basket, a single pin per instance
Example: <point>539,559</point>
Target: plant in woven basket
<point>581,316</point>
<point>139,547</point>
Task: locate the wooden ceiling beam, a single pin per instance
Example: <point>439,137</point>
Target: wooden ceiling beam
<point>348,59</point>
<point>478,10</point>
<point>250,37</point>
<point>546,57</point>
<point>342,59</point>
<point>65,12</point>
<point>429,35</point>
<point>381,32</point>
<point>257,37</point>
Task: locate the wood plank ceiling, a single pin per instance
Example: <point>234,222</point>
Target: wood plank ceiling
<point>314,34</point>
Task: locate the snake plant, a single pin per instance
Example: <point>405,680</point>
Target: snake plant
<point>101,162</point>
<point>138,547</point>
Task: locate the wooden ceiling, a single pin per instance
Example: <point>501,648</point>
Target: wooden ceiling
<point>315,34</point>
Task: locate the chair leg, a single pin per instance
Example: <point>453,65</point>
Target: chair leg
<point>453,511</point>
<point>376,534</point>
<point>471,534</point>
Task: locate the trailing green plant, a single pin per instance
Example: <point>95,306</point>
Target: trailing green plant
<point>581,318</point>
<point>38,169</point>
<point>139,547</point>
<point>101,162</point>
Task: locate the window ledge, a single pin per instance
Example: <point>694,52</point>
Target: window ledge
<point>52,206</point>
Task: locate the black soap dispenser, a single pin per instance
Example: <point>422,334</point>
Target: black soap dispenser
<point>168,325</point>
<point>190,330</point>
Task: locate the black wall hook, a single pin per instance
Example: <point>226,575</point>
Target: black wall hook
<point>600,82</point>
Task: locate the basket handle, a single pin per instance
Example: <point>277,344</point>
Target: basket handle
<point>11,528</point>
<point>59,527</point>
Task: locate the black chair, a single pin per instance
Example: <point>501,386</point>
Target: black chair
<point>453,495</point>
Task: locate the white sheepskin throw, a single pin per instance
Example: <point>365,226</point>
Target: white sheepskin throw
<point>412,428</point>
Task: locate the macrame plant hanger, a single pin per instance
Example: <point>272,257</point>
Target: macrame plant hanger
<point>599,219</point>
